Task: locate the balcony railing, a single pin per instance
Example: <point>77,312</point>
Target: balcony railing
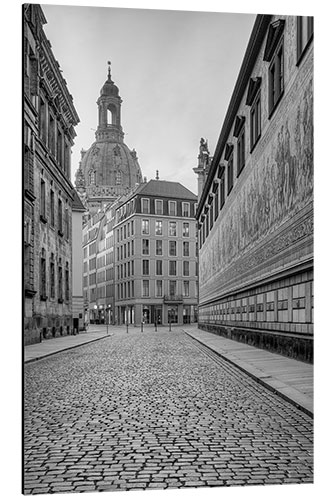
<point>173,299</point>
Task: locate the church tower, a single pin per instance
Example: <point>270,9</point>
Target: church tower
<point>108,169</point>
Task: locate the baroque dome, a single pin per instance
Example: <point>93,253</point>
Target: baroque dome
<point>111,165</point>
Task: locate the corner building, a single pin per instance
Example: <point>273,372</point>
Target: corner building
<point>49,118</point>
<point>255,213</point>
<point>156,272</point>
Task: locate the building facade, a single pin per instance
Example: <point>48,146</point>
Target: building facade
<point>78,211</point>
<point>49,118</point>
<point>255,213</point>
<point>156,267</point>
<point>98,267</point>
<point>108,169</point>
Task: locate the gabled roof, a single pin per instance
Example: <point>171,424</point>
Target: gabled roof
<point>166,189</point>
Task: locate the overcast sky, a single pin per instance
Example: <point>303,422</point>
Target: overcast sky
<point>175,71</point>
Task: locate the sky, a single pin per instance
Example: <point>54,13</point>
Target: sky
<point>175,70</point>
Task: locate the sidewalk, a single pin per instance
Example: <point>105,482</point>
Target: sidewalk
<point>291,379</point>
<point>48,347</point>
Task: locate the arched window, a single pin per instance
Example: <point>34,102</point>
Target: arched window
<point>118,178</point>
<point>92,177</point>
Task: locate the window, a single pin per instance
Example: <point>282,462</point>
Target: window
<point>52,208</point>
<point>158,227</point>
<point>60,148</point>
<point>304,34</point>
<point>145,206</point>
<point>142,228</point>
<point>241,151</point>
<point>216,204</point>
<point>172,288</point>
<point>67,282</point>
<point>43,275</point>
<point>172,248</point>
<point>159,288</point>
<point>145,247</point>
<point>145,267</point>
<point>211,216</point>
<point>159,267</point>
<point>60,286</point>
<point>172,267</point>
<point>92,177</point>
<point>145,226</point>
<point>158,207</point>
<point>255,121</point>
<point>145,288</point>
<point>222,192</point>
<point>52,277</point>
<point>60,228</point>
<point>118,178</point>
<point>42,200</point>
<point>275,79</point>
<point>42,120</point>
<point>52,134</point>
<point>186,288</point>
<point>186,268</point>
<point>186,248</point>
<point>172,229</point>
<point>230,173</point>
<point>66,224</point>
<point>172,208</point>
<point>185,209</point>
<point>158,247</point>
<point>186,229</point>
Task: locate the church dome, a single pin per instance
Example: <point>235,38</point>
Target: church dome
<point>109,88</point>
<point>111,165</point>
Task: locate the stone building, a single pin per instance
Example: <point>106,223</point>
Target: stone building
<point>156,255</point>
<point>49,118</point>
<point>255,213</point>
<point>98,267</point>
<point>78,211</point>
<point>108,169</point>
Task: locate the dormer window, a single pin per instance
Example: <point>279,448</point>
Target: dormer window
<point>274,55</point>
<point>304,34</point>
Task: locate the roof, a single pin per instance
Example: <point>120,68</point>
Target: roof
<point>77,203</point>
<point>166,189</point>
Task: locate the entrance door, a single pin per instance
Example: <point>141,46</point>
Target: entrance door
<point>172,314</point>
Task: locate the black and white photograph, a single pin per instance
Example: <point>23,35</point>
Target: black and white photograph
<point>167,251</point>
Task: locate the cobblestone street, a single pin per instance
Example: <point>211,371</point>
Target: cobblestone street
<point>152,410</point>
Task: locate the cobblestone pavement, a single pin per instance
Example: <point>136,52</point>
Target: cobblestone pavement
<point>152,410</point>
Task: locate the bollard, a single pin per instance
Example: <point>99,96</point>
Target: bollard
<point>155,326</point>
<point>107,329</point>
<point>169,326</point>
<point>127,327</point>
<point>141,326</point>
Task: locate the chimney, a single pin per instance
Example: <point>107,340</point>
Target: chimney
<point>157,176</point>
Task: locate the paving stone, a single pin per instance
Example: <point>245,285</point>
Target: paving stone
<point>152,411</point>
